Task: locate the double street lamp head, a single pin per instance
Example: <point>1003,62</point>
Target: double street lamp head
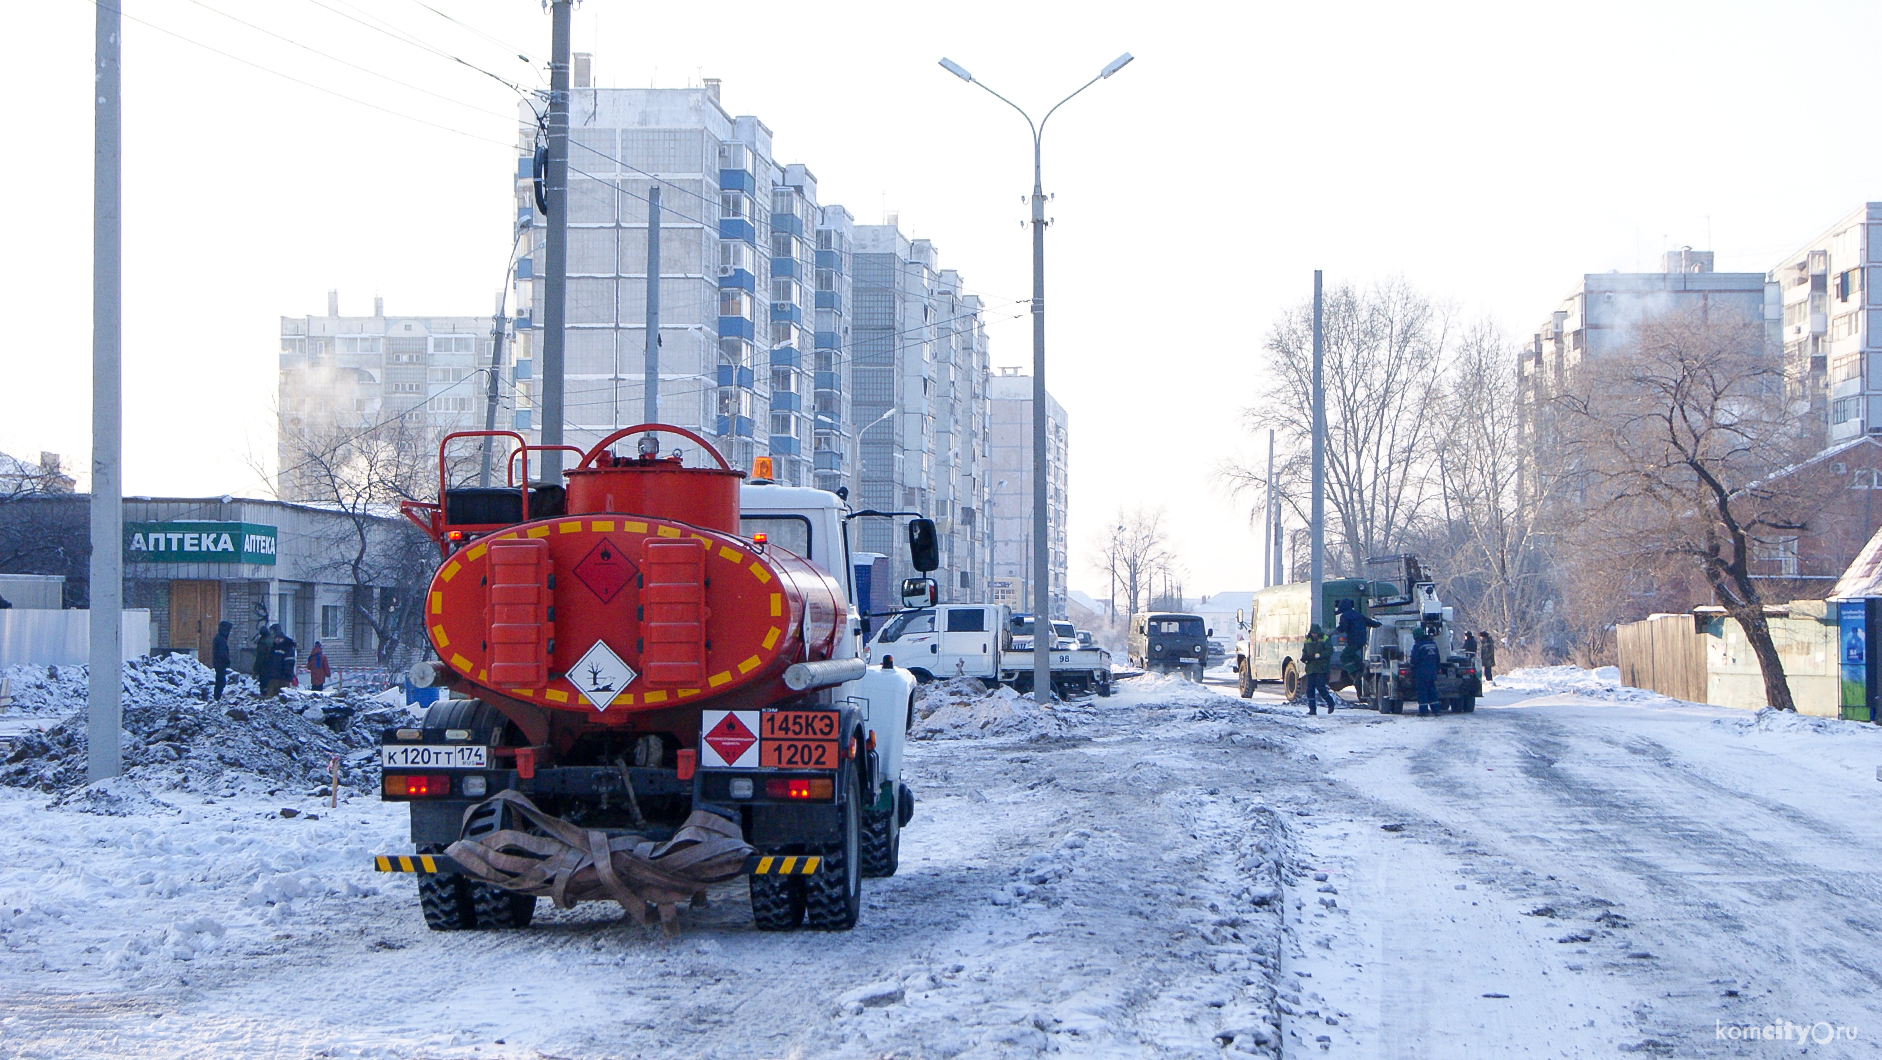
<point>960,71</point>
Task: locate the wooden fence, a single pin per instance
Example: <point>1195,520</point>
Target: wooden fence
<point>1666,654</point>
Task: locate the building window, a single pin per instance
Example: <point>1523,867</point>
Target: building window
<point>1866,478</point>
<point>735,254</point>
<point>406,388</point>
<point>733,205</point>
<point>332,621</point>
<point>783,245</point>
<point>453,344</point>
<point>733,350</point>
<point>1778,558</point>
<point>783,289</point>
<point>1842,410</point>
<point>783,381</point>
<point>450,404</point>
<point>734,303</point>
<point>781,423</point>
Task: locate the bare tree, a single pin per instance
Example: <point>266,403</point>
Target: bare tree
<point>1487,544</point>
<point>1677,449</point>
<point>1135,551</point>
<point>1383,365</point>
<point>362,473</point>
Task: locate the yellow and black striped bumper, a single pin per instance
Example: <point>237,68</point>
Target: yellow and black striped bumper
<point>766,865</point>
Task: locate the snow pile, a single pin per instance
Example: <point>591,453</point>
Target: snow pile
<point>962,707</point>
<point>1167,690</point>
<point>1769,719</point>
<point>1603,683</point>
<point>146,679</point>
<point>176,742</point>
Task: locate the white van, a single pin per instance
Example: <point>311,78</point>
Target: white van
<point>947,640</point>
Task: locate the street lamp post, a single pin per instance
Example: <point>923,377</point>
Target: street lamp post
<point>1041,541</point>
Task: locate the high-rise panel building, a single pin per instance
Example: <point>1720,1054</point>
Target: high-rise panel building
<point>1010,403</point>
<point>919,354</point>
<point>419,376</point>
<point>1831,321</point>
<point>739,269</point>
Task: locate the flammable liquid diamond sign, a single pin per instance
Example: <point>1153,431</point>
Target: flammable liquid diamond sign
<point>600,675</point>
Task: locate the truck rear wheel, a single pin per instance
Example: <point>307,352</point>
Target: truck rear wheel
<point>833,897</point>
<point>498,908</point>
<point>446,899</point>
<point>1465,705</point>
<point>882,841</point>
<point>777,902</point>
<point>1290,680</point>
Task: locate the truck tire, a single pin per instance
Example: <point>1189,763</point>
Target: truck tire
<point>498,908</point>
<point>1104,687</point>
<point>1290,680</point>
<point>833,897</point>
<point>777,902</point>
<point>445,900</point>
<point>882,841</point>
<point>1244,680</point>
<point>1465,705</point>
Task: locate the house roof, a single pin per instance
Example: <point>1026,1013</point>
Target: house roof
<point>1864,576</point>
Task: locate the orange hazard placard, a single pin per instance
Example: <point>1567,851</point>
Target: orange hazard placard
<point>798,739</point>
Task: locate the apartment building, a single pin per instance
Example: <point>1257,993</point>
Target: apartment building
<point>1010,465</point>
<point>1831,319</point>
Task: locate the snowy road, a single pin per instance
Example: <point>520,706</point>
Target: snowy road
<point>1109,892</point>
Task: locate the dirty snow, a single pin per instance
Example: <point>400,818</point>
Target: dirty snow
<point>1174,872</point>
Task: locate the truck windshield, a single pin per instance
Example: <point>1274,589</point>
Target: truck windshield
<point>1173,626</point>
<point>788,532</point>
<point>1064,629</point>
<point>908,622</point>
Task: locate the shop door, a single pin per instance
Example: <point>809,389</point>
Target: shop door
<point>195,609</point>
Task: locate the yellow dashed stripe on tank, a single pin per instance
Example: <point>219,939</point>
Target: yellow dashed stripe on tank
<point>556,695</point>
<point>450,570</point>
<point>771,638</point>
<point>758,571</point>
<point>777,605</point>
<point>601,526</point>
<point>437,635</point>
<point>460,663</point>
<point>750,664</point>
<point>719,678</point>
<point>571,527</point>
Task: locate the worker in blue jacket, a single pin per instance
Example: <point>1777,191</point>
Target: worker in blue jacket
<point>1356,628</point>
<point>1424,673</point>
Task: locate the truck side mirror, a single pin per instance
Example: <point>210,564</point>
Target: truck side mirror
<point>1212,632</point>
<point>1238,617</point>
<point>924,549</point>
<point>919,592</point>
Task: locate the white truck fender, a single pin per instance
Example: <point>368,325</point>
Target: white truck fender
<point>886,695</point>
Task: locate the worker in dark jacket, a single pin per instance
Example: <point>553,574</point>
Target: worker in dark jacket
<point>1487,646</point>
<point>1424,674</point>
<point>317,668</point>
<point>1316,657</point>
<point>264,646</point>
<point>1357,629</point>
<point>219,655</point>
<point>280,663</point>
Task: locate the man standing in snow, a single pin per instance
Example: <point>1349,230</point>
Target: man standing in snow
<point>317,668</point>
<point>1486,645</point>
<point>1424,674</point>
<point>219,655</point>
<point>264,647</point>
<point>280,662</point>
<point>1316,657</point>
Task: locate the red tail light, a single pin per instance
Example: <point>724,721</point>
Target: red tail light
<point>800,788</point>
<point>423,786</point>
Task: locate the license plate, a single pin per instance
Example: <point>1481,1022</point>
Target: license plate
<point>798,739</point>
<point>1191,658</point>
<point>431,756</point>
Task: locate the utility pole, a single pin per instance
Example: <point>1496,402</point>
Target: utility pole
<point>1316,565</point>
<point>555,191</point>
<point>1267,521</point>
<point>498,325</point>
<point>651,410</point>
<point>103,703</point>
<point>1041,487</point>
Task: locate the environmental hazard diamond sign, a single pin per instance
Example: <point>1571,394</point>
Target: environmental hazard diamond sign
<point>605,570</point>
<point>600,675</point>
<point>730,736</point>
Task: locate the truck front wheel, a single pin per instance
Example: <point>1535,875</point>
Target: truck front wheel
<point>1290,680</point>
<point>1244,680</point>
<point>882,841</point>
<point>833,897</point>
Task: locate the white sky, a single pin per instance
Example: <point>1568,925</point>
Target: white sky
<point>1489,153</point>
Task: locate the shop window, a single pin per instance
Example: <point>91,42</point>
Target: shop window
<point>332,621</point>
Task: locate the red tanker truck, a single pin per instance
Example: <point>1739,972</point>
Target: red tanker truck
<point>658,685</point>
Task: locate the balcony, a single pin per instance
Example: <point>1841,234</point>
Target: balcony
<point>828,340</point>
<point>784,267</point>
<point>786,312</point>
<point>830,259</point>
<point>786,357</point>
<point>829,461</point>
<point>785,401</point>
<point>829,299</point>
<point>737,180</point>
<point>737,228</point>
<point>829,381</point>
<point>787,222</point>
<point>737,426</point>
<point>783,445</point>
<point>742,279</point>
<point>736,375</point>
<point>736,327</point>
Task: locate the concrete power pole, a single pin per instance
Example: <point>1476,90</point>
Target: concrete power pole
<point>103,695</point>
<point>555,267</point>
<point>1317,564</point>
<point>498,325</point>
<point>650,412</point>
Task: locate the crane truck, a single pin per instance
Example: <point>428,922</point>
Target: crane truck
<point>643,653</point>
